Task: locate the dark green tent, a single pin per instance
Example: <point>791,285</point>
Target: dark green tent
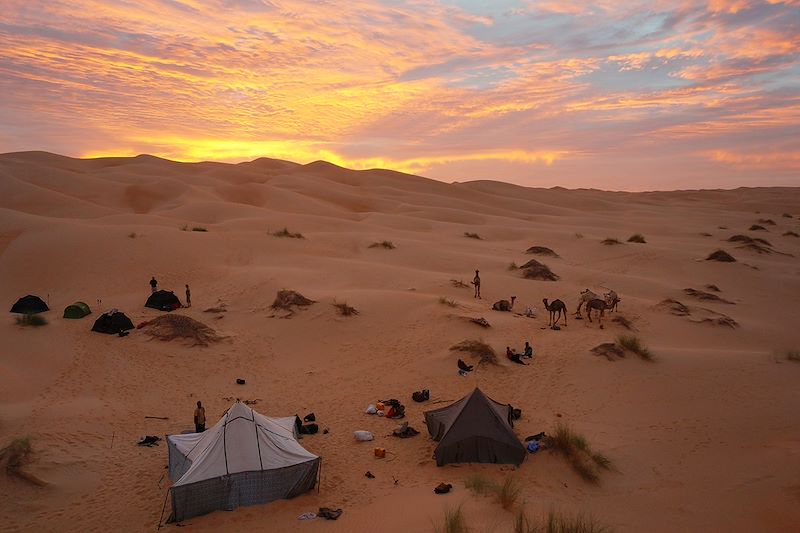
<point>77,310</point>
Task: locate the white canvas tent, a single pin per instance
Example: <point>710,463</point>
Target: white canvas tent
<point>244,459</point>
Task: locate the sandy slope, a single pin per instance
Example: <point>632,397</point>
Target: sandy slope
<point>705,439</point>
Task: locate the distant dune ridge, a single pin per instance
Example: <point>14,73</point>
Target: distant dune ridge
<point>704,438</point>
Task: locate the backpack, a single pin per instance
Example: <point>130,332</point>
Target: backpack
<point>421,396</point>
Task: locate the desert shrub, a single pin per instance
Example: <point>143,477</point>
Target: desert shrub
<point>459,284</point>
<point>787,215</point>
<point>560,523</point>
<point>477,348</point>
<point>185,227</point>
<point>767,221</point>
<point>705,234</point>
<point>344,309</point>
<point>447,301</point>
<point>579,235</point>
<point>31,320</point>
<point>132,235</point>
<point>389,245</point>
<point>638,237</point>
<point>633,344</point>
<point>472,235</point>
<point>199,228</point>
<point>533,269</point>
<point>17,454</point>
<point>577,451</point>
<point>756,227</point>
<point>170,327</point>
<point>791,234</point>
<point>288,234</point>
<point>454,522</point>
<point>512,266</point>
<point>480,484</point>
<point>541,250</point>
<point>285,299</point>
<point>508,493</point>
<point>721,255</point>
<point>609,241</point>
<point>793,355</point>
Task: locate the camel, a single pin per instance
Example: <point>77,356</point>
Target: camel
<point>504,305</point>
<point>557,306</point>
<point>612,300</point>
<point>585,297</point>
<point>599,305</point>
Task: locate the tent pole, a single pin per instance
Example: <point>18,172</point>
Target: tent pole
<point>161,518</point>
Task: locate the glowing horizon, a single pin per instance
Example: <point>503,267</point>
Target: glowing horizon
<point>627,94</point>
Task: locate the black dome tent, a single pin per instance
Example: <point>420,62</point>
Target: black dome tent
<point>112,322</point>
<point>163,301</point>
<point>28,305</point>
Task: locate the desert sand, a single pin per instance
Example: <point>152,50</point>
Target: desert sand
<point>705,438</point>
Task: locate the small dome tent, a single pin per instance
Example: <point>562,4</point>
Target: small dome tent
<point>77,310</point>
<point>28,305</point>
<point>163,301</point>
<point>112,323</point>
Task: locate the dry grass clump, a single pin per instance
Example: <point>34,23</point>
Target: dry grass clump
<point>132,235</point>
<point>722,256</point>
<point>482,322</point>
<point>577,451</point>
<point>624,322</point>
<point>533,269</point>
<point>633,344</point>
<point>787,215</point>
<point>714,288</point>
<point>608,241</point>
<point>705,234</point>
<point>480,484</point>
<point>512,266</point>
<point>288,234</point>
<point>199,228</point>
<point>454,522</point>
<point>170,327</point>
<point>34,320</point>
<point>469,235</point>
<point>541,250</point>
<point>609,350</point>
<point>506,493</point>
<point>746,239</point>
<point>389,245</point>
<point>767,221</point>
<point>756,227</point>
<point>477,348</point>
<point>791,234</point>
<point>448,301</point>
<point>706,296</point>
<point>674,307</point>
<point>344,309</point>
<point>285,299</point>
<point>15,456</point>
<point>638,237</point>
<point>793,355</point>
<point>556,522</point>
<point>459,284</point>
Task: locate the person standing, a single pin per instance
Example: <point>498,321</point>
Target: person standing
<point>153,284</point>
<point>477,282</point>
<point>199,418</point>
<point>188,297</point>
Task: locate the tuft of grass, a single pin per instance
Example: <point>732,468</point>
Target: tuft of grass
<point>185,227</point>
<point>633,344</point>
<point>389,245</point>
<point>17,454</point>
<point>609,241</point>
<point>757,227</point>
<point>560,523</point>
<point>288,234</point>
<point>344,309</point>
<point>199,228</point>
<point>577,451</point>
<point>512,266</point>
<point>787,215</point>
<point>447,301</point>
<point>454,522</point>
<point>132,235</point>
<point>31,320</point>
<point>480,484</point>
<point>579,235</point>
<point>472,235</point>
<point>459,284</point>
<point>477,348</point>
<point>705,234</point>
<point>508,493</point>
<point>793,355</point>
<point>638,237</point>
<point>791,234</point>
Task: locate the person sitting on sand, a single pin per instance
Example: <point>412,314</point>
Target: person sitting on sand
<point>199,418</point>
<point>512,355</point>
<point>477,282</point>
<point>528,351</point>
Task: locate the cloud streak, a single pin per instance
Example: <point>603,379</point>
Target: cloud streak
<point>534,94</point>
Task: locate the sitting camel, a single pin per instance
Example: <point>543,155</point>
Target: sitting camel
<point>585,297</point>
<point>598,305</point>
<point>557,306</point>
<point>504,305</point>
<point>612,299</point>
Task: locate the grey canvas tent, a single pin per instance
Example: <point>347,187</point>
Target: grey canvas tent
<point>474,429</point>
<point>244,459</point>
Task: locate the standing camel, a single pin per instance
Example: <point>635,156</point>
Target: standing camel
<point>585,297</point>
<point>612,299</point>
<point>598,305</point>
<point>504,305</point>
<point>557,306</point>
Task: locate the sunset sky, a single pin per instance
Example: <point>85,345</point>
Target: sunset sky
<point>611,94</point>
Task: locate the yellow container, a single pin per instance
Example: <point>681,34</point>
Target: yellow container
<point>379,407</point>
<point>380,453</point>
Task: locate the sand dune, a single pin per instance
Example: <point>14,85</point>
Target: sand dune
<point>706,438</point>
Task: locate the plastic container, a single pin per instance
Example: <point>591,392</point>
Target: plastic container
<point>362,435</point>
<point>379,406</point>
<point>380,453</point>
